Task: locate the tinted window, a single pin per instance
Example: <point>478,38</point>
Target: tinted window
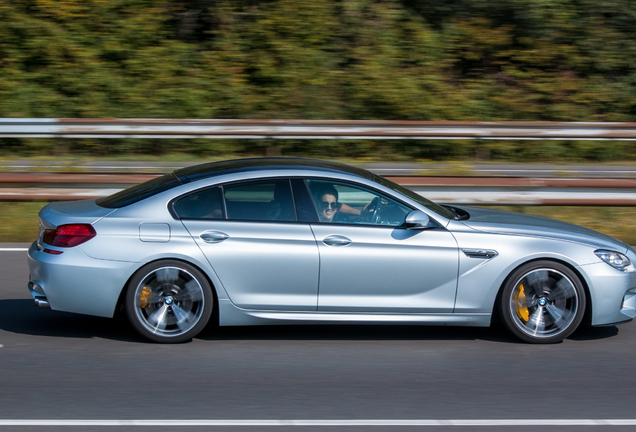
<point>304,204</point>
<point>141,191</point>
<point>268,200</point>
<point>346,203</point>
<point>205,204</point>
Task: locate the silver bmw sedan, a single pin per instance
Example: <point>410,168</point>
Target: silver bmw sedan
<point>278,241</point>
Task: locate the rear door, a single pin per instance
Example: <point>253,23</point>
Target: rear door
<point>249,233</point>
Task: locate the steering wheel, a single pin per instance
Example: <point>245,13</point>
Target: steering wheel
<point>372,215</point>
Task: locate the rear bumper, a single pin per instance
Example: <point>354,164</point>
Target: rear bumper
<point>38,295</point>
<point>75,282</point>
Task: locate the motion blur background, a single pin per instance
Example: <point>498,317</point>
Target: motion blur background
<point>441,60</point>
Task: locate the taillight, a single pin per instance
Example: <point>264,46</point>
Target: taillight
<point>68,235</point>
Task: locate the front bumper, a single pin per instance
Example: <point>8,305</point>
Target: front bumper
<point>611,294</point>
<point>75,282</point>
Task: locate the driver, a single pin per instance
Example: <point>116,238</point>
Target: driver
<point>329,206</point>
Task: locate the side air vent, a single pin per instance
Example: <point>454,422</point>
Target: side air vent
<point>480,253</point>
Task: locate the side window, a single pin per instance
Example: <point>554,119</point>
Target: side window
<point>349,204</point>
<point>263,200</point>
<point>304,203</point>
<point>205,204</point>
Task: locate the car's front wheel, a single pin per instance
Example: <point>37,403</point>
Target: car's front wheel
<point>543,302</point>
<point>169,301</point>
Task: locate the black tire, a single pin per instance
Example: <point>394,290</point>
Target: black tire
<point>169,301</point>
<point>542,302</point>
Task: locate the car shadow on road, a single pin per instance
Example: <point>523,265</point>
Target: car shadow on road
<point>496,333</point>
<point>357,332</point>
<point>588,333</point>
<point>22,317</point>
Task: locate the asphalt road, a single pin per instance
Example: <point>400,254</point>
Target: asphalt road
<point>59,366</point>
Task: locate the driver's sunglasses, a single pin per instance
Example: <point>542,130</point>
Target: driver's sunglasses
<point>326,204</point>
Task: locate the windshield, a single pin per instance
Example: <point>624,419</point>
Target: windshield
<point>415,197</point>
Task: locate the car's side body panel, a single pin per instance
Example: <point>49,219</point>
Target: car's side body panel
<point>230,315</point>
<point>385,269</point>
<point>481,278</point>
<point>119,239</point>
<point>75,282</point>
<point>267,266</point>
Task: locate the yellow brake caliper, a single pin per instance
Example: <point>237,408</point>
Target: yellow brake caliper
<point>521,305</point>
<point>144,297</point>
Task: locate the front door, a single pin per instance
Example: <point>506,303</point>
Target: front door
<point>369,263</point>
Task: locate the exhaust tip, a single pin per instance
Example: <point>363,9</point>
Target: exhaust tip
<point>42,302</point>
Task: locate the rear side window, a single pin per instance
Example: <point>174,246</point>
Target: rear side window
<point>139,192</point>
<point>266,200</point>
<point>205,204</point>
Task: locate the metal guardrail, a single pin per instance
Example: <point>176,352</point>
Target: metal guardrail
<point>311,129</point>
<point>86,179</point>
<point>445,191</point>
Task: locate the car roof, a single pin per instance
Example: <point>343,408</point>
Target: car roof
<point>212,169</point>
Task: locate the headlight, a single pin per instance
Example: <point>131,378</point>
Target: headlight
<point>615,259</point>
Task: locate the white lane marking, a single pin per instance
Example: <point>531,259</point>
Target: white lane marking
<point>14,249</point>
<point>487,422</point>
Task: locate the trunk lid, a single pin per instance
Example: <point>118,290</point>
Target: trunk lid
<point>66,212</point>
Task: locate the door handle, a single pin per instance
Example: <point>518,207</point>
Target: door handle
<point>336,240</point>
<point>214,236</point>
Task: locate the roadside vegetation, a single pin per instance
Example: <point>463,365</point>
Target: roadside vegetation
<point>570,60</point>
<point>19,221</point>
<point>437,60</point>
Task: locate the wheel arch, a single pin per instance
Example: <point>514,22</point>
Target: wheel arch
<point>120,308</point>
<point>587,317</point>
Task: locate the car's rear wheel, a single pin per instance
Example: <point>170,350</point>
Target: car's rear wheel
<point>169,301</point>
<point>543,302</point>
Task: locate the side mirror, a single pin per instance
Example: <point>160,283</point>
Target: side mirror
<point>417,220</point>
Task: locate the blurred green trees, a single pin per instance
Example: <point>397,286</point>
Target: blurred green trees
<point>557,60</point>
